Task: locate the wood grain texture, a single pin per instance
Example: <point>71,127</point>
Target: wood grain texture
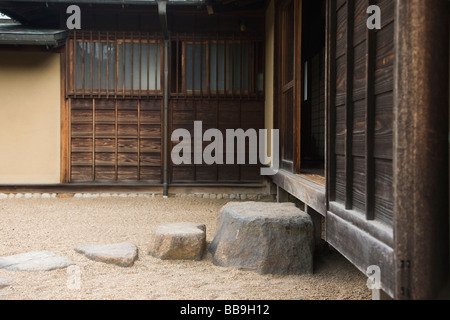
<point>360,135</point>
<point>364,251</point>
<point>362,107</point>
<point>421,149</point>
<point>119,139</point>
<point>216,114</point>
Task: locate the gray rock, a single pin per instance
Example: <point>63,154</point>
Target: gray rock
<point>270,238</point>
<point>252,197</point>
<point>5,282</point>
<point>178,241</point>
<point>35,261</point>
<point>121,254</point>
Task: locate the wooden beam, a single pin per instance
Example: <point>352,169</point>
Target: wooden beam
<point>91,66</point>
<point>330,89</point>
<point>93,139</point>
<point>370,122</point>
<point>365,250</point>
<point>303,188</point>
<point>298,83</point>
<point>349,107</point>
<point>107,65</point>
<point>64,169</point>
<point>421,84</point>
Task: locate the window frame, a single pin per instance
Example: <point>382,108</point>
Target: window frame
<point>229,89</point>
<point>114,38</point>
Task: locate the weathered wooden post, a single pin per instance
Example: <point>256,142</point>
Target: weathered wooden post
<point>421,228</point>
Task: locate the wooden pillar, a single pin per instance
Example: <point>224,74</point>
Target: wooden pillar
<point>282,195</point>
<point>65,118</point>
<point>421,84</point>
<point>317,219</point>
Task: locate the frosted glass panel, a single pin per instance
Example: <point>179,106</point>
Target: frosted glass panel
<point>196,67</point>
<point>137,66</point>
<point>95,67</point>
<point>145,66</point>
<point>217,67</point>
<point>108,59</point>
<point>83,67</point>
<point>150,66</point>
<point>237,67</point>
<point>79,65</point>
<point>238,60</point>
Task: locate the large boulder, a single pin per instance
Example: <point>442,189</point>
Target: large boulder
<point>270,238</point>
<point>178,241</point>
<point>121,254</point>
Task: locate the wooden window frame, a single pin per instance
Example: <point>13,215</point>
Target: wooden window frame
<point>252,66</point>
<point>107,38</point>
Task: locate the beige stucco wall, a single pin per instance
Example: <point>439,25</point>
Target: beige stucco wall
<point>29,117</point>
<point>269,68</point>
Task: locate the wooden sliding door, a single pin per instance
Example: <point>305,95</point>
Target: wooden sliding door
<point>288,82</point>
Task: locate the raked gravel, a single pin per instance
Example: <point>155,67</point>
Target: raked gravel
<point>61,224</point>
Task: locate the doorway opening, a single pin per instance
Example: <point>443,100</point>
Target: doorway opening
<point>313,88</point>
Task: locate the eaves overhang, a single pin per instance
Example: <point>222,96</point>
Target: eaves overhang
<point>17,34</point>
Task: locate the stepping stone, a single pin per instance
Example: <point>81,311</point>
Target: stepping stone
<point>35,261</point>
<point>5,282</point>
<point>178,241</point>
<point>270,238</point>
<point>120,254</point>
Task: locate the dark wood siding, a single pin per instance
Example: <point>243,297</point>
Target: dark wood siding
<point>216,114</point>
<point>360,134</point>
<point>218,83</point>
<point>115,90</point>
<point>362,110</point>
<point>115,140</point>
<point>421,176</point>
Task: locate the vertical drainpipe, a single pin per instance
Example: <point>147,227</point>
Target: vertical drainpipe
<point>162,10</point>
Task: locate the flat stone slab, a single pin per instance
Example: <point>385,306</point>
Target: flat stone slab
<point>5,282</point>
<point>178,241</point>
<point>121,254</point>
<point>35,261</point>
<point>270,238</point>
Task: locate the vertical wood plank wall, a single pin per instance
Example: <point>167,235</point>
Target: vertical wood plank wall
<point>115,140</point>
<point>216,114</point>
<point>361,110</point>
<point>360,121</point>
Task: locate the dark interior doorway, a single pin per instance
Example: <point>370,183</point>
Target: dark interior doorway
<point>313,88</point>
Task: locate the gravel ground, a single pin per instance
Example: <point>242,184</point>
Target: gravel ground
<point>59,225</point>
